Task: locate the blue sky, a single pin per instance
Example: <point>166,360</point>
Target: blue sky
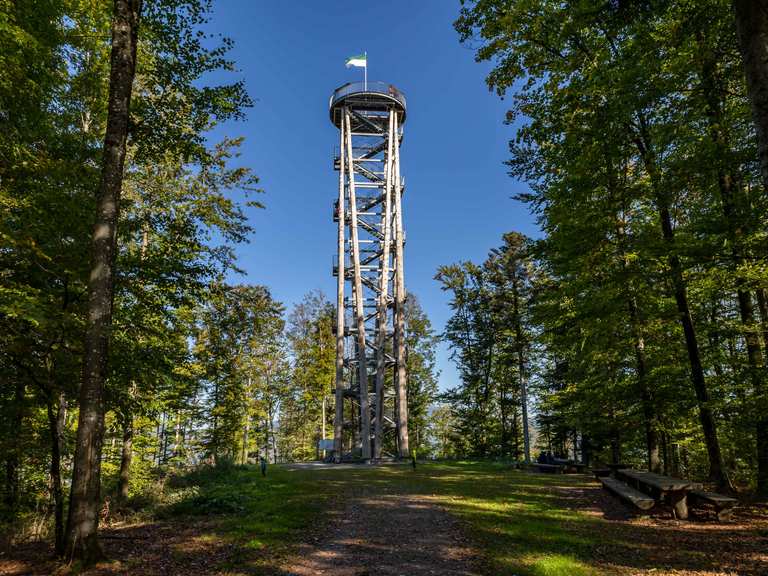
<point>457,202</point>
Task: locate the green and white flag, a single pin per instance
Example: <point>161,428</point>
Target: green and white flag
<point>361,61</point>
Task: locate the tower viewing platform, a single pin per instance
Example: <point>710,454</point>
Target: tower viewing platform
<point>370,96</point>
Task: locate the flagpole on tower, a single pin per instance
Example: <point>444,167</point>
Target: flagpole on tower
<point>365,73</point>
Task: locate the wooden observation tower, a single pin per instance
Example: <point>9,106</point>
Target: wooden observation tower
<point>371,420</point>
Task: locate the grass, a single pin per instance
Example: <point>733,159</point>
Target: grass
<point>523,524</point>
<point>258,512</point>
<point>514,517</point>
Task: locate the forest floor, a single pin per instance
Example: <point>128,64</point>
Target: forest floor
<point>443,518</point>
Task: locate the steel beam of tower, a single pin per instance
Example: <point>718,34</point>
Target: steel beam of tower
<point>371,417</point>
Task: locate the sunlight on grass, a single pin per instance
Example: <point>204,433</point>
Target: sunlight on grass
<point>518,520</point>
<point>557,565</point>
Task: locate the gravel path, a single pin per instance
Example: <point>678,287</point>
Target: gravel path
<point>388,535</point>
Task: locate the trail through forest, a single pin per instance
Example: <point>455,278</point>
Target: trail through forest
<point>390,534</point>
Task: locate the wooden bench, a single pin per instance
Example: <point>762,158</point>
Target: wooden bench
<point>723,505</point>
<point>569,466</point>
<point>627,493</point>
<point>549,468</point>
<point>661,487</point>
<point>601,472</point>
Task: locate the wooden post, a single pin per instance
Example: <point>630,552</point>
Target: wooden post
<point>400,392</point>
<point>679,504</point>
<point>338,422</point>
<point>365,416</point>
<point>381,321</point>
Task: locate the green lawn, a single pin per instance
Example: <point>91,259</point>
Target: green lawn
<point>523,524</point>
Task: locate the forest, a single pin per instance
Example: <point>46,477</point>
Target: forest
<point>640,319</point>
<point>133,348</point>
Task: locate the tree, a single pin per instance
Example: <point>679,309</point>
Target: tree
<point>82,523</point>
<point>491,341</point>
<point>751,17</point>
<point>180,215</point>
<point>597,78</point>
<point>239,329</point>
<point>312,348</point>
<point>508,269</point>
<point>422,374</point>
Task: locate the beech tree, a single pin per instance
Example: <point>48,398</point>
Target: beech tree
<point>635,138</point>
<point>82,523</point>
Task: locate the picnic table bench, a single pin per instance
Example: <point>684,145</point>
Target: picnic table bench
<point>568,465</point>
<point>675,490</point>
<point>601,472</point>
<point>627,493</point>
<point>723,505</point>
<point>549,468</point>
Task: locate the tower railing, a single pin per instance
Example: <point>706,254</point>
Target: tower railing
<point>372,87</point>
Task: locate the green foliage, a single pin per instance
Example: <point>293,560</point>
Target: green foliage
<point>490,341</point>
<point>240,328</point>
<point>181,215</point>
<point>629,116</point>
<point>312,348</point>
<point>422,374</point>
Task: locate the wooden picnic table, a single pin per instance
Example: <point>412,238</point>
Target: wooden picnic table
<point>674,489</point>
<point>549,468</point>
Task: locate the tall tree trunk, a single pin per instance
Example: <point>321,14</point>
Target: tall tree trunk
<point>161,439</point>
<point>13,459</point>
<point>649,411</point>
<point>762,305</point>
<point>82,523</point>
<point>731,200</point>
<point>752,31</point>
<point>56,419</point>
<point>522,371</point>
<point>638,333</point>
<point>246,424</point>
<point>717,471</point>
<point>504,440</point>
<point>126,455</point>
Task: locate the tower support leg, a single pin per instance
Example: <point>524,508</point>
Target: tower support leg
<point>383,300</point>
<point>400,358</point>
<point>338,422</point>
<point>363,384</point>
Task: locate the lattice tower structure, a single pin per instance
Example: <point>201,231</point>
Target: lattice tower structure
<point>371,416</point>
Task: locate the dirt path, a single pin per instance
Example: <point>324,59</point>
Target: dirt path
<point>393,534</point>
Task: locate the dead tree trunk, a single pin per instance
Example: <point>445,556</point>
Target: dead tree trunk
<point>82,525</point>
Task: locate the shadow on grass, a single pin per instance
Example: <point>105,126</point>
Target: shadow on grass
<point>235,522</point>
<point>553,525</point>
<point>539,525</point>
